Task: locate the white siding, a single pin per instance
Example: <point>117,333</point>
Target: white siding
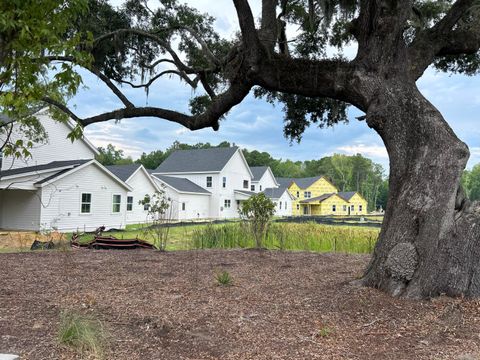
<point>57,148</point>
<point>64,201</point>
<point>141,186</point>
<point>236,171</point>
<point>286,207</point>
<point>266,181</point>
<point>196,206</point>
<point>20,210</point>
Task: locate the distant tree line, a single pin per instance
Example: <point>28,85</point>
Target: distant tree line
<point>471,182</point>
<point>348,173</point>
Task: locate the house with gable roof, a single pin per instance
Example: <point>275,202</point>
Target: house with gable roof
<point>264,181</point>
<point>221,177</point>
<point>223,172</point>
<point>61,186</point>
<point>318,196</point>
<point>142,184</point>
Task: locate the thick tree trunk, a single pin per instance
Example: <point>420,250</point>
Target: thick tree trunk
<point>429,243</point>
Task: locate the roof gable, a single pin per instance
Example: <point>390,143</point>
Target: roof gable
<point>123,172</point>
<point>197,160</point>
<point>182,184</point>
<point>257,172</point>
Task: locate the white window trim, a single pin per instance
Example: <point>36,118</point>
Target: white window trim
<point>131,197</point>
<point>81,204</point>
<point>211,181</point>
<point>120,204</point>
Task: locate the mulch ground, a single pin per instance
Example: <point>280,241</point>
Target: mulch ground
<point>280,306</point>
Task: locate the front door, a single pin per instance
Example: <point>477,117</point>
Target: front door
<point>305,210</point>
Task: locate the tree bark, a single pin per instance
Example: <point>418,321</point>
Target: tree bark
<point>429,240</point>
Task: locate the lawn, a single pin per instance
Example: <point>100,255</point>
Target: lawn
<point>284,236</point>
<point>276,305</point>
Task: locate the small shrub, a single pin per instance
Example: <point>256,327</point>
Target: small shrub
<point>224,278</point>
<point>83,333</point>
<point>325,331</point>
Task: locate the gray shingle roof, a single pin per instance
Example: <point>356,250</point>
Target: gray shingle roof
<point>318,198</point>
<point>123,172</point>
<point>302,183</point>
<point>182,184</point>
<point>347,195</point>
<point>258,172</point>
<point>198,160</point>
<point>275,193</point>
<point>50,166</point>
<point>246,192</point>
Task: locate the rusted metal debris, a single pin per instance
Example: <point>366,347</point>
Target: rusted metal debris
<point>108,242</point>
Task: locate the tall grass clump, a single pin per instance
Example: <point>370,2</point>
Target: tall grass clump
<point>83,333</point>
<point>226,236</point>
<point>289,236</point>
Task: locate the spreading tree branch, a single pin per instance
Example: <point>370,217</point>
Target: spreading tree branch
<point>444,38</point>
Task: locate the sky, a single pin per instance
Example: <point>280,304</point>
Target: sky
<point>257,125</point>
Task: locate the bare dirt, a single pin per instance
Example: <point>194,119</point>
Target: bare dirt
<point>280,306</point>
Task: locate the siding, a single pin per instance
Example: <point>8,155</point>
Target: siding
<point>236,171</point>
<point>318,188</point>
<point>141,187</point>
<point>20,210</point>
<point>57,148</point>
<point>266,181</point>
<point>64,198</point>
<point>286,209</point>
<point>197,206</point>
<point>357,200</point>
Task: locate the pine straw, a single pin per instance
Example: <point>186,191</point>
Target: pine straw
<point>281,305</point>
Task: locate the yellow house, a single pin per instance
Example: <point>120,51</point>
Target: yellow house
<point>318,196</point>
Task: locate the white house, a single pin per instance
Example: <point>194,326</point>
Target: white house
<point>263,178</point>
<point>223,172</point>
<point>188,200</point>
<point>61,186</point>
<point>142,184</point>
<point>282,198</point>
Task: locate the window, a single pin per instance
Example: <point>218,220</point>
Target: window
<point>129,203</point>
<point>146,207</point>
<point>344,207</point>
<point>117,201</point>
<point>252,187</point>
<point>228,203</point>
<point>298,194</point>
<point>280,205</point>
<point>209,181</point>
<point>298,206</point>
<point>359,207</point>
<point>86,203</point>
<point>224,182</point>
<point>183,206</point>
<point>245,184</point>
<point>307,194</point>
<point>352,207</point>
<point>334,207</point>
<point>260,187</point>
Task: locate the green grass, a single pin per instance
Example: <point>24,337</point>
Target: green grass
<point>283,236</point>
<point>82,333</point>
<point>306,236</point>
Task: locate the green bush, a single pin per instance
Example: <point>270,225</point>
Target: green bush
<point>83,333</point>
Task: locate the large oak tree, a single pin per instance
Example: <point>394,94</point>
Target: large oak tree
<point>429,243</point>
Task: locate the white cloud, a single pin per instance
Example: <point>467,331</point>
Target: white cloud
<point>375,151</point>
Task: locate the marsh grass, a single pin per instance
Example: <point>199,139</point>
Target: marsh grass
<point>83,333</point>
<point>223,278</point>
<point>307,237</point>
